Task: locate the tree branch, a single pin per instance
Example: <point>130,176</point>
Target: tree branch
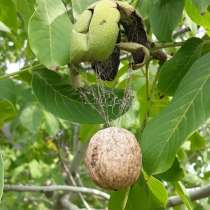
<point>67,204</point>
<point>78,157</point>
<point>194,193</point>
<point>71,179</point>
<point>53,188</point>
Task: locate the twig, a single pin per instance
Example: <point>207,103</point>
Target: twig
<point>65,164</point>
<point>53,188</point>
<point>71,179</point>
<point>75,138</point>
<point>181,32</point>
<point>194,194</point>
<point>158,46</point>
<point>70,206</point>
<point>67,204</point>
<point>135,47</point>
<point>78,157</point>
<point>24,69</point>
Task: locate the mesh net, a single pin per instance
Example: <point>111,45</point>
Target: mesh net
<point>108,102</point>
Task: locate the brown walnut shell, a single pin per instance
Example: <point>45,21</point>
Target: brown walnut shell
<point>113,158</point>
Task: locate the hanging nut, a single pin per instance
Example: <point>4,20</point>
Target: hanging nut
<point>113,158</point>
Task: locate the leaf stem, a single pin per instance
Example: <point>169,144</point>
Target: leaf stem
<point>126,198</point>
<point>74,76</point>
<point>135,3</point>
<point>180,189</point>
<point>158,46</point>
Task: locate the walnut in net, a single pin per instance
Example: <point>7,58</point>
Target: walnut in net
<point>113,158</point>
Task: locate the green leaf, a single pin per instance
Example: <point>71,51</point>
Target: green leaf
<point>164,17</point>
<point>80,5</point>
<point>118,199</point>
<point>7,111</point>
<point>31,118</point>
<point>197,142</point>
<point>1,176</point>
<point>7,100</point>
<point>7,92</point>
<point>180,189</point>
<point>26,9</point>
<point>144,7</point>
<point>172,71</point>
<point>8,14</point>
<point>158,190</point>
<point>157,103</point>
<point>142,198</point>
<point>175,173</point>
<point>87,131</point>
<point>194,13</point>
<point>189,110</point>
<point>35,169</point>
<point>49,33</point>
<point>51,124</point>
<point>79,105</point>
<point>202,5</point>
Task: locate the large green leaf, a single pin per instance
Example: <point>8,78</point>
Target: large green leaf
<point>8,14</point>
<point>189,109</point>
<point>1,176</point>
<point>144,7</point>
<point>84,105</point>
<point>49,33</point>
<point>164,17</point>
<point>172,71</point>
<point>194,14</point>
<point>143,196</point>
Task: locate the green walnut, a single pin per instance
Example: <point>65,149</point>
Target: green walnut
<point>97,31</point>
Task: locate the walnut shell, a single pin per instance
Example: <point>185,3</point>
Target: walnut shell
<point>113,158</point>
